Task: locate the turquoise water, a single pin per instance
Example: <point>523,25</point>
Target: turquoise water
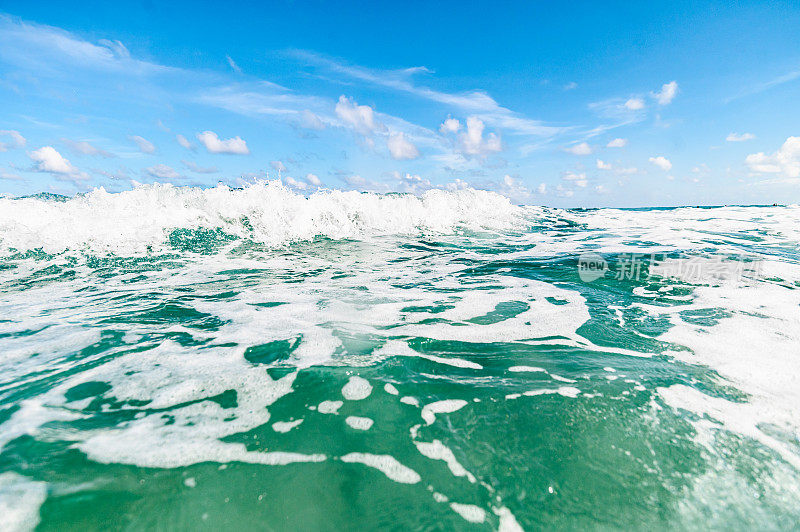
<point>251,359</point>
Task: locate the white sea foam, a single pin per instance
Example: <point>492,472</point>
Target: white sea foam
<point>357,388</point>
<point>470,512</point>
<point>436,450</point>
<point>359,423</point>
<point>20,500</point>
<point>386,464</point>
<point>285,426</point>
<point>329,407</point>
<point>267,212</point>
<point>447,406</point>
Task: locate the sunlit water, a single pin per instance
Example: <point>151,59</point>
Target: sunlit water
<point>253,359</point>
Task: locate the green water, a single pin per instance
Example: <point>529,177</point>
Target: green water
<point>141,392</point>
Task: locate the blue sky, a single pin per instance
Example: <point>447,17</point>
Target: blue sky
<point>586,104</point>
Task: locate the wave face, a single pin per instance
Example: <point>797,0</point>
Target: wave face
<point>250,358</point>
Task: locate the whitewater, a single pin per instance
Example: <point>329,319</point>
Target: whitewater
<point>252,358</point>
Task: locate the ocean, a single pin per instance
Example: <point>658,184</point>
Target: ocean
<point>254,359</point>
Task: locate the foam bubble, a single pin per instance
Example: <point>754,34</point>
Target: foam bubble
<point>329,407</point>
<point>470,512</point>
<point>357,388</point>
<point>359,423</point>
<point>285,426</point>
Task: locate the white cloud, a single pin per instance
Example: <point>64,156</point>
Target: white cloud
<point>401,148</point>
<point>412,184</point>
<point>294,183</point>
<point>617,143</point>
<point>570,86</point>
<point>785,161</point>
<point>162,171</point>
<point>450,125</point>
<point>233,64</point>
<point>662,162</point>
<point>542,188</point>
<point>17,140</point>
<point>579,179</point>
<point>514,189</point>
<point>355,181</point>
<point>200,169</point>
<point>634,104</point>
<point>472,141</point>
<point>47,159</point>
<point>564,192</point>
<point>626,171</point>
<point>145,146</point>
<point>477,103</point>
<point>85,148</point>
<point>736,137</point>
<point>183,141</point>
<point>601,189</point>
<point>235,145</point>
<point>359,117</point>
<point>579,149</point>
<point>457,184</point>
<point>8,176</point>
<point>602,165</point>
<point>310,120</point>
<point>313,180</point>
<point>667,93</point>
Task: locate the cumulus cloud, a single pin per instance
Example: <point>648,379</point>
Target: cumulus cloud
<point>602,165</point>
<point>736,137</point>
<point>48,160</point>
<point>401,148</point>
<point>579,149</point>
<point>213,144</point>
<point>412,183</point>
<point>570,86</point>
<point>579,179</point>
<point>294,183</point>
<point>450,125</point>
<point>617,143</point>
<point>313,180</point>
<point>542,188</point>
<point>514,189</point>
<point>200,169</point>
<point>162,171</point>
<point>634,104</point>
<point>784,162</point>
<point>473,142</point>
<point>662,162</point>
<point>17,140</point>
<point>359,117</point>
<point>183,141</point>
<point>85,148</point>
<point>601,189</point>
<point>667,93</point>
<point>278,166</point>
<point>144,145</point>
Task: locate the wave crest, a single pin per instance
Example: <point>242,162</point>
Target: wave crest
<point>265,212</point>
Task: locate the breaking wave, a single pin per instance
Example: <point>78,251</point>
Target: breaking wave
<point>267,212</point>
